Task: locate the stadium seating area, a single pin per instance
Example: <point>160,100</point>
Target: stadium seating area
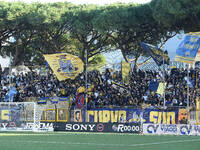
<point>106,89</point>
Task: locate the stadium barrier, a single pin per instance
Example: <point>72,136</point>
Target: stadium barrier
<point>171,129</point>
<point>98,127</point>
<point>55,115</point>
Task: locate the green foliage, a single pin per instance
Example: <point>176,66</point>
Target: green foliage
<point>179,15</point>
<point>39,29</point>
<point>96,62</point>
<point>97,59</point>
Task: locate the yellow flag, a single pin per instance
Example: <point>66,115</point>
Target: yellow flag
<point>81,89</point>
<point>64,65</point>
<point>125,71</point>
<point>160,89</point>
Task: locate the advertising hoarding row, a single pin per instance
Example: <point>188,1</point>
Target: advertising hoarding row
<point>98,127</point>
<point>12,126</point>
<point>171,129</point>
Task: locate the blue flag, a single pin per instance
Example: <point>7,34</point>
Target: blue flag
<point>157,54</point>
<point>188,48</point>
<point>153,85</point>
<point>10,94</point>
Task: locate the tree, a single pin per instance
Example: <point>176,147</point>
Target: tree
<point>30,30</point>
<point>130,24</point>
<point>177,15</point>
<point>89,41</point>
<point>36,29</point>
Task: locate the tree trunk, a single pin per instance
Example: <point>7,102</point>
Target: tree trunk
<point>124,55</point>
<point>16,52</point>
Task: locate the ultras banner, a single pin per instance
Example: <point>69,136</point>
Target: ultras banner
<point>131,116</point>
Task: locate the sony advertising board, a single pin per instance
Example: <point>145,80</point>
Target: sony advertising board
<point>98,127</point>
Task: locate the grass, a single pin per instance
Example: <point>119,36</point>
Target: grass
<point>95,141</point>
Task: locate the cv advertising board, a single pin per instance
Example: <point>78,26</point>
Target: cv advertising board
<point>98,127</point>
<point>131,116</point>
<point>171,129</point>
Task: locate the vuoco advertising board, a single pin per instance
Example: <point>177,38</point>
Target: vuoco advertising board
<point>175,129</point>
<point>97,127</point>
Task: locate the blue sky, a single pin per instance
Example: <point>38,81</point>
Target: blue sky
<point>172,45</point>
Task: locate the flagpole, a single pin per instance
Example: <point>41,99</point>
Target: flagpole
<point>188,92</point>
<point>86,78</point>
<point>10,71</point>
<point>164,99</point>
<point>164,103</point>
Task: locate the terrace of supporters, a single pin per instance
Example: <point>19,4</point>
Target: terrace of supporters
<point>106,89</point>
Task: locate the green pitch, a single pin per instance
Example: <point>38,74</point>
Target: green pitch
<point>95,141</point>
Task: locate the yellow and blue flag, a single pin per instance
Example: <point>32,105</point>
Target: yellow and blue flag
<point>43,100</point>
<point>64,65</point>
<point>188,48</point>
<point>157,54</point>
<point>54,100</point>
<point>63,98</point>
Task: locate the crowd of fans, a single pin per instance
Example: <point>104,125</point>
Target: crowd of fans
<point>107,89</point>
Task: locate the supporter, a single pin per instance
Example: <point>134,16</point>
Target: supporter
<point>106,89</point>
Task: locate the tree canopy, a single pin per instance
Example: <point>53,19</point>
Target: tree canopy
<point>28,31</point>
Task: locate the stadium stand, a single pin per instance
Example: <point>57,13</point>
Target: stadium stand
<point>106,89</point>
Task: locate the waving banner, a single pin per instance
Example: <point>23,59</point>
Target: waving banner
<point>188,48</point>
<point>157,54</point>
<point>64,65</point>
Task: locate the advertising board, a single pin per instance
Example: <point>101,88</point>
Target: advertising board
<point>98,127</point>
<point>11,126</point>
<point>175,129</point>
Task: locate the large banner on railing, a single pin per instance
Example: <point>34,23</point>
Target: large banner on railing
<point>171,129</point>
<point>132,116</point>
